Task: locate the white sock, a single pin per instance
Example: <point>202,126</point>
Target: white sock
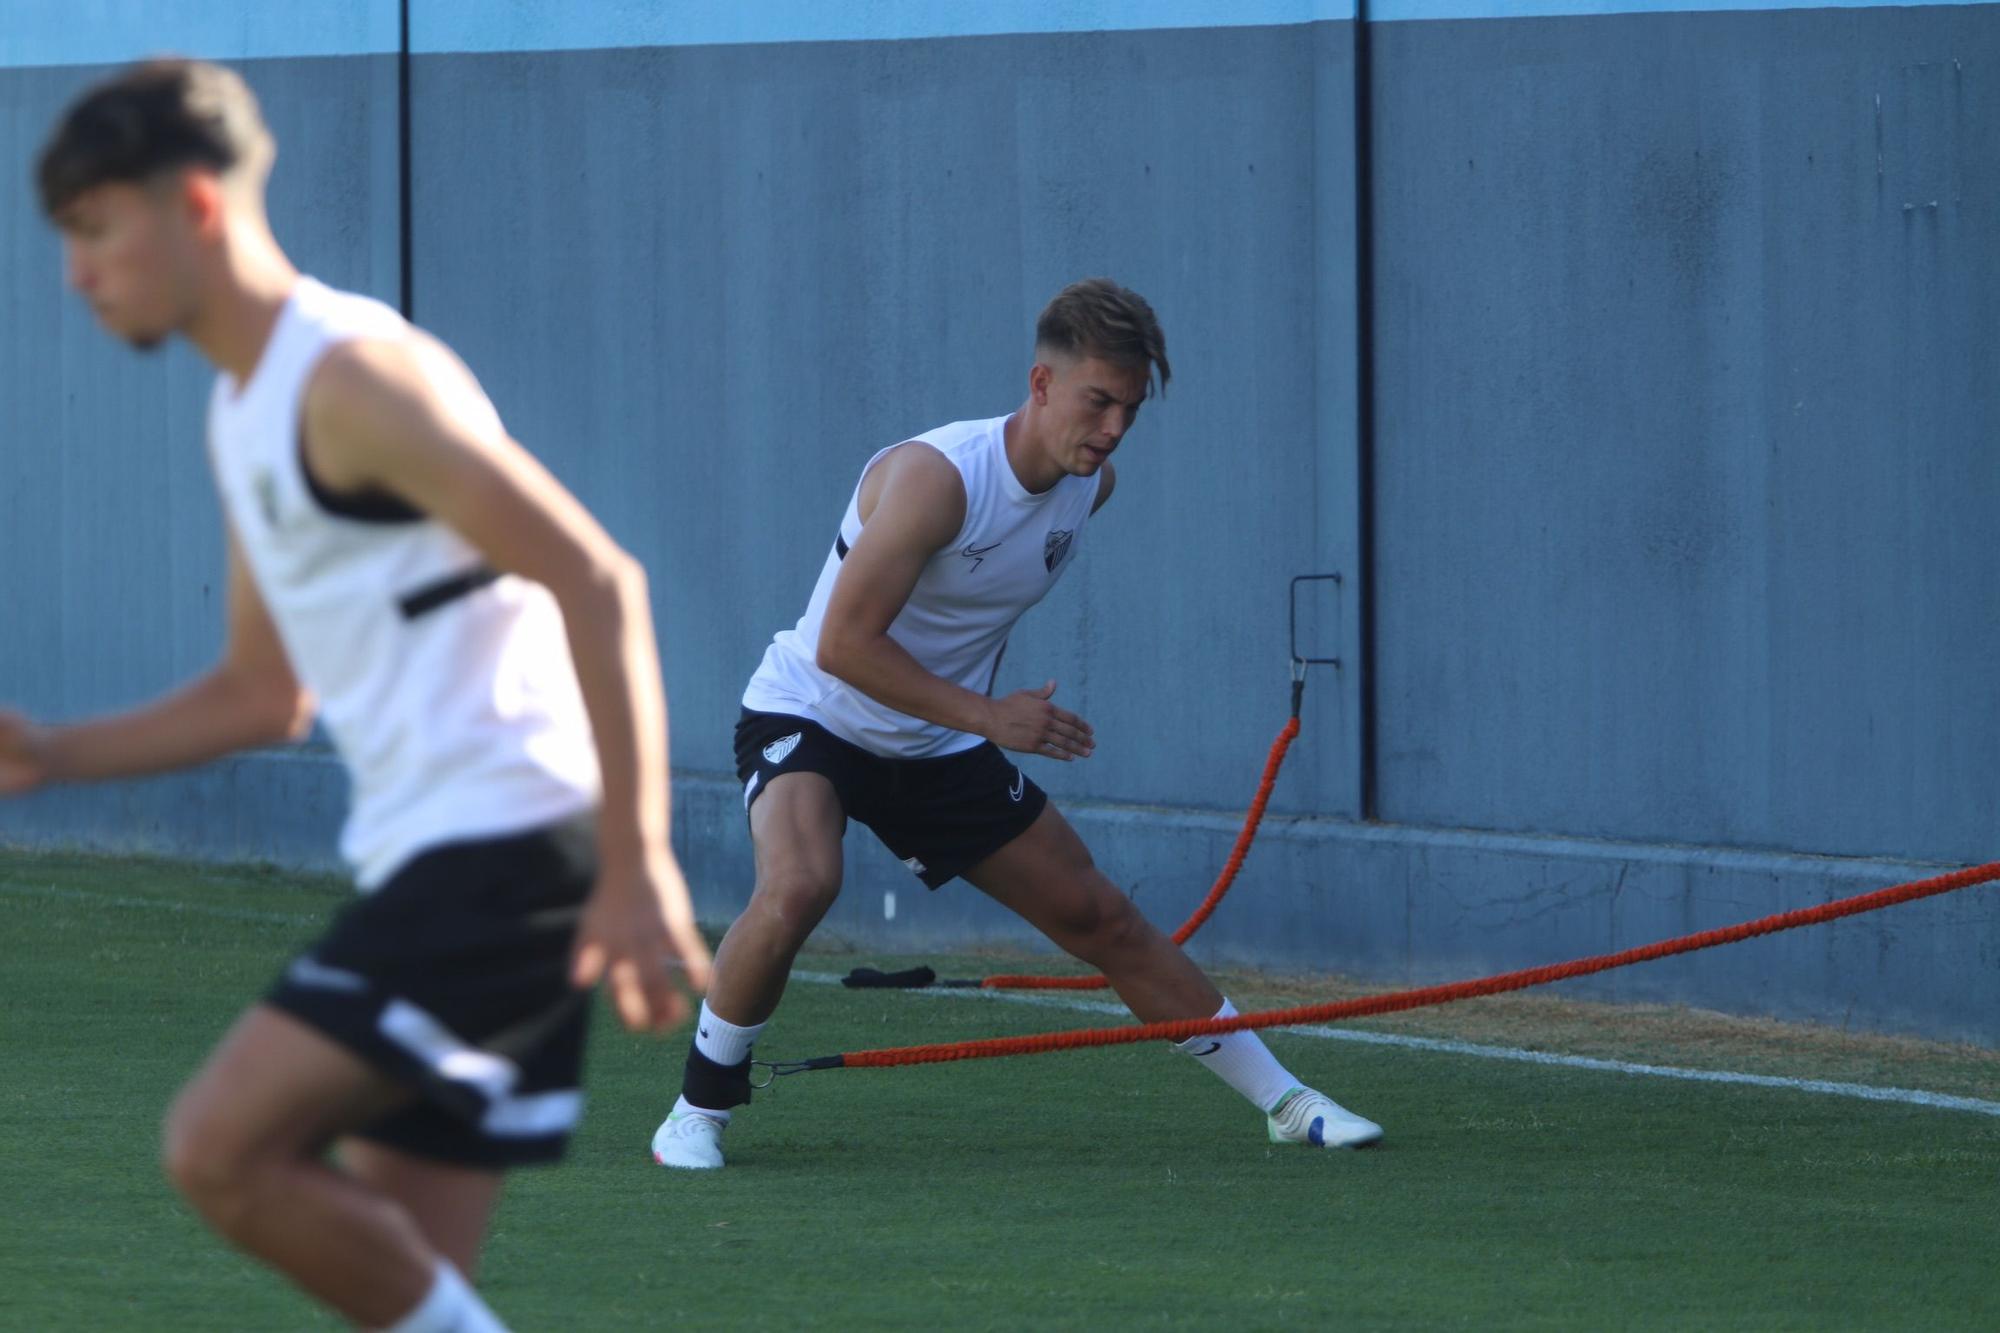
<point>1243,1061</point>
<point>451,1307</point>
<point>723,1041</point>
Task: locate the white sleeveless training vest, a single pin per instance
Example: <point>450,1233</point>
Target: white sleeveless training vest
<point>447,689</point>
<point>1009,553</point>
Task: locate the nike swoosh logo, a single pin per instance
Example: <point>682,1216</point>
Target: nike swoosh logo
<point>977,554</point>
<point>1213,1047</point>
<point>1020,785</point>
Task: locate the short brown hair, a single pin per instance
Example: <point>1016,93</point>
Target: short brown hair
<point>148,118</point>
<point>1097,317</point>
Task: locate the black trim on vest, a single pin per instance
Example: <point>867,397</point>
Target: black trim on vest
<point>994,675</point>
<point>369,506</point>
<point>446,590</point>
<point>715,1087</point>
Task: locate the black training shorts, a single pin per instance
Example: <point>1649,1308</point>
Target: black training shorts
<point>453,978</point>
<point>940,816</point>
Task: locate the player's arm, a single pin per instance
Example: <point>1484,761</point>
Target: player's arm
<point>249,698</point>
<point>912,505</point>
<point>407,417</point>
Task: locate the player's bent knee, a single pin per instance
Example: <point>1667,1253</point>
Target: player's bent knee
<point>1119,925</point>
<point>1109,926</point>
<point>799,897</point>
<point>178,1139</point>
<point>208,1165</point>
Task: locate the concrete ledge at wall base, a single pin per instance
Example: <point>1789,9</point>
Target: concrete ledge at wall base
<point>1400,906</point>
<point>1388,904</point>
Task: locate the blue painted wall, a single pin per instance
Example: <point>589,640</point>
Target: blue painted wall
<point>1686,423</point>
<point>726,276</point>
<point>1678,322</point>
<point>110,536</point>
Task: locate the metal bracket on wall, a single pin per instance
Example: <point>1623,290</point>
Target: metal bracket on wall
<point>1302,660</point>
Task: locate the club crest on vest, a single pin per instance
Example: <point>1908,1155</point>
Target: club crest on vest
<point>779,750</point>
<point>1056,547</point>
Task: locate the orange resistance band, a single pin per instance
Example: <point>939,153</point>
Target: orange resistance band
<point>1396,1001</point>
<point>1255,816</point>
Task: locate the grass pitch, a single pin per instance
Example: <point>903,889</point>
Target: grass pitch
<point>1119,1188</point>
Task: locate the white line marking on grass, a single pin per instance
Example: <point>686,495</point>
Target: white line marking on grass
<point>1863,1091</point>
<point>1866,1092</point>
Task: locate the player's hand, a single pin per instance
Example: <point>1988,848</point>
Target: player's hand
<point>24,763</point>
<point>638,935</point>
<point>1027,722</point>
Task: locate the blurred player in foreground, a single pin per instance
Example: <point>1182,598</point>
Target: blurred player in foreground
<point>482,656</point>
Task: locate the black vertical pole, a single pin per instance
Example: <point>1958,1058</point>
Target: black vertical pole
<point>403,156</point>
<point>1364,398</point>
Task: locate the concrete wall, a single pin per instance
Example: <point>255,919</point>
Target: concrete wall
<point>1677,467</point>
<point>110,535</point>
<point>727,275</point>
<point>1686,408</point>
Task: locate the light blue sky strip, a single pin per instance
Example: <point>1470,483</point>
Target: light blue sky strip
<point>90,32</point>
<point>438,26</point>
<point>1391,11</point>
<point>534,25</point>
<point>107,32</point>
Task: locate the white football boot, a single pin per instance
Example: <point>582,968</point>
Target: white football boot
<point>690,1140</point>
<point>1305,1116</point>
